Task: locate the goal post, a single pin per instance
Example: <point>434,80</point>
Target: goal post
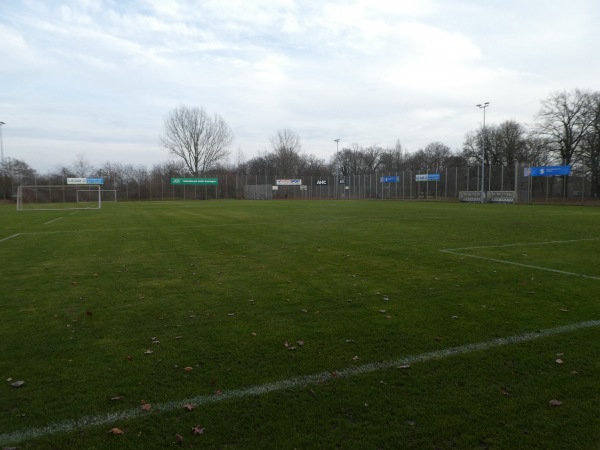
<point>58,197</point>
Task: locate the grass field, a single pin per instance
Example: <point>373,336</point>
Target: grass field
<point>282,324</point>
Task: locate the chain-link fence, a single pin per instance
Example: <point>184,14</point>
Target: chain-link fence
<point>446,185</point>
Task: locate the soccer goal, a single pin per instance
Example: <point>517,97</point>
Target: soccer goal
<point>60,197</point>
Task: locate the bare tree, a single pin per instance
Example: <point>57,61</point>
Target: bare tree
<point>286,152</point>
<point>81,166</point>
<point>591,144</point>
<point>563,120</point>
<point>200,140</point>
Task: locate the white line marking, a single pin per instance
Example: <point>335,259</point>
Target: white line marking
<point>10,237</point>
<point>69,426</point>
<point>459,251</point>
<point>54,220</point>
<point>547,269</point>
<point>519,244</point>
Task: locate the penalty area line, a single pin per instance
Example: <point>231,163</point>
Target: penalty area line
<point>529,266</point>
<point>69,426</point>
<point>10,237</point>
<point>53,220</point>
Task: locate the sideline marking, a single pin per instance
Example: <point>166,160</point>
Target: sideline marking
<point>10,237</point>
<point>54,220</point>
<point>459,252</point>
<point>68,426</point>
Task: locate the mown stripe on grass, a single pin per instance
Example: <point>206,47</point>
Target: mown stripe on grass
<point>68,426</point>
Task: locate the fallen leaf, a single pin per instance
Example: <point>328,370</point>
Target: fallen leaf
<point>116,431</point>
<point>218,393</point>
<point>382,311</point>
<point>118,397</point>
<point>405,366</point>
<point>555,402</point>
<point>559,361</point>
<point>197,430</point>
<point>146,407</point>
<point>178,438</point>
<point>129,358</point>
<point>17,384</point>
<point>574,372</point>
<point>188,369</point>
<point>300,343</point>
<point>148,352</point>
<point>189,407</point>
<point>355,358</point>
<point>253,334</point>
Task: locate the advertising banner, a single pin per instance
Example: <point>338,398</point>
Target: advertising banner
<point>428,177</point>
<point>85,180</point>
<point>547,171</point>
<point>288,182</point>
<point>195,181</point>
<point>393,179</point>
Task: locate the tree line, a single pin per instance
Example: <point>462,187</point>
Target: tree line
<point>566,131</point>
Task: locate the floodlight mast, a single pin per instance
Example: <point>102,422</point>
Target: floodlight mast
<point>337,156</point>
<point>1,145</point>
<point>483,106</point>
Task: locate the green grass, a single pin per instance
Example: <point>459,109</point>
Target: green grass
<point>222,286</point>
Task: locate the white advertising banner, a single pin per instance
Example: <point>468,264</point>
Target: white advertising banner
<point>288,182</point>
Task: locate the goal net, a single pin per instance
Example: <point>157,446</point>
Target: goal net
<point>38,198</point>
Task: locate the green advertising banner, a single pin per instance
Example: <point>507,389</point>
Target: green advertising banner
<point>195,181</point>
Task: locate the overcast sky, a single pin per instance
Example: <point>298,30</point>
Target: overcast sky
<point>97,78</point>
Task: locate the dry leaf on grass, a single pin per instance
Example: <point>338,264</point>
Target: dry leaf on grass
<point>146,407</point>
<point>116,431</point>
<point>189,407</point>
<point>555,402</point>
<point>198,430</point>
<point>18,384</point>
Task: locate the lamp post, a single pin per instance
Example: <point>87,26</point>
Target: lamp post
<point>1,145</point>
<point>483,106</point>
<point>337,156</point>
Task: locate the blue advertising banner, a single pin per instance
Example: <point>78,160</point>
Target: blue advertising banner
<point>394,179</point>
<point>548,171</point>
<point>428,177</point>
